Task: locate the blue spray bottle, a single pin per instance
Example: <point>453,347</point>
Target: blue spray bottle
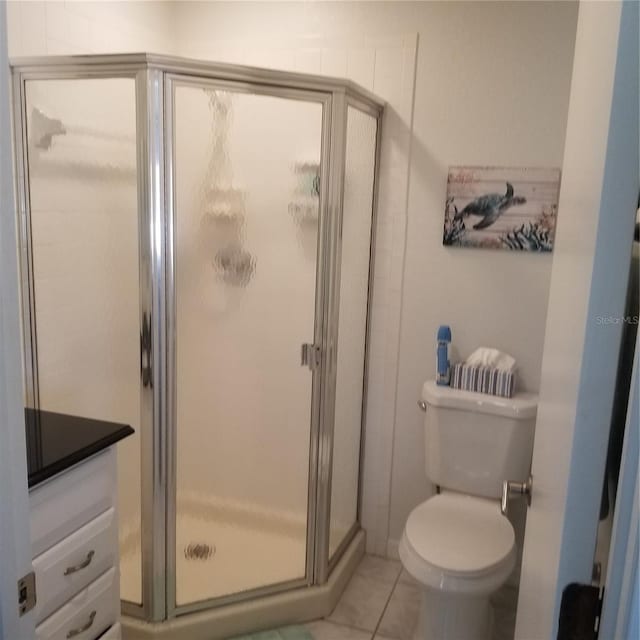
<point>443,371</point>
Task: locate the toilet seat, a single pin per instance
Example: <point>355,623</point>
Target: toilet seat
<point>460,543</point>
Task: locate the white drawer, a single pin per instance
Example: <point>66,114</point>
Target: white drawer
<point>87,615</point>
<point>114,633</point>
<point>68,501</point>
<point>72,564</point>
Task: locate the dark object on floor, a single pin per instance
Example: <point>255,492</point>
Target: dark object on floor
<point>579,612</point>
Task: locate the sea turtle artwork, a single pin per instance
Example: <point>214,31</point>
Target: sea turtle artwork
<point>501,208</point>
<point>489,207</point>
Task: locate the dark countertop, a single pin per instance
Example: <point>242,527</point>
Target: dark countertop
<point>56,441</point>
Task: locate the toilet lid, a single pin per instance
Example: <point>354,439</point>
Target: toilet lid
<point>460,534</point>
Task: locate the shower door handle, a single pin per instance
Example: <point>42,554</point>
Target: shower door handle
<point>310,356</point>
<point>145,351</point>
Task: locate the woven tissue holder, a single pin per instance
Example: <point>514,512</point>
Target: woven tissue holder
<point>495,382</point>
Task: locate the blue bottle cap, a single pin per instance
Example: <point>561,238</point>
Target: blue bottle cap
<point>444,333</point>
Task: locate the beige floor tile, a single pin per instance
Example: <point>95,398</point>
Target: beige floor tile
<point>401,615</point>
<point>362,603</point>
<point>378,568</point>
<point>505,604</point>
<point>504,627</point>
<point>407,578</point>
<point>324,630</point>
<point>506,598</point>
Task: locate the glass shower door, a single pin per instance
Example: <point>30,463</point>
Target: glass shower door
<point>246,191</point>
<point>359,176</point>
<point>83,252</point>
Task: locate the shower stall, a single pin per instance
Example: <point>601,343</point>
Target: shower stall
<point>196,261</point>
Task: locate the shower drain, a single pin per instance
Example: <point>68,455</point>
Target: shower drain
<point>199,551</point>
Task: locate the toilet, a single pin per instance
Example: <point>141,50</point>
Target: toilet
<point>457,544</point>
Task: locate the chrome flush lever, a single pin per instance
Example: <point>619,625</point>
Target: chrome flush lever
<point>510,489</point>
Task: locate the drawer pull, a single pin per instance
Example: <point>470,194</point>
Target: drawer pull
<point>84,627</point>
<point>85,563</point>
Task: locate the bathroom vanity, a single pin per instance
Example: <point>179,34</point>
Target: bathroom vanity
<point>74,527</point>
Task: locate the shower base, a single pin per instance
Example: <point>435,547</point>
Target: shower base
<point>288,607</point>
<point>224,547</point>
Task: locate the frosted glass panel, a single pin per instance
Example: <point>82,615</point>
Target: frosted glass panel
<point>354,275</point>
<point>84,224</point>
<point>246,231</point>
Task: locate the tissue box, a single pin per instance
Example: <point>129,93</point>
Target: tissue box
<point>495,382</point>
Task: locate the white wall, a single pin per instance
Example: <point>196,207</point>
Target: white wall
<point>491,87</point>
<point>77,27</point>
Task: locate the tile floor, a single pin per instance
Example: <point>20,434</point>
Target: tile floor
<point>381,602</point>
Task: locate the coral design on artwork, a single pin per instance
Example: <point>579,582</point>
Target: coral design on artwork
<point>533,236</point>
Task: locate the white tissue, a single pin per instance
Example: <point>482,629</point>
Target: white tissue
<point>486,357</point>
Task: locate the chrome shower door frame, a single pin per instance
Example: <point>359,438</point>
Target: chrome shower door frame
<point>155,467</point>
<point>155,77</point>
<point>321,336</point>
<point>151,281</point>
<point>375,110</point>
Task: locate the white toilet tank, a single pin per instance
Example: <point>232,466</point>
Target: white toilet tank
<point>475,441</point>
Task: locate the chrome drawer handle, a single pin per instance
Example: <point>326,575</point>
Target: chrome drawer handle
<point>84,627</point>
<point>85,563</point>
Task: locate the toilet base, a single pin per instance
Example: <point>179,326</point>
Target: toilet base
<point>446,616</point>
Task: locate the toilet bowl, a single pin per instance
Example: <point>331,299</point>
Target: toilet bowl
<point>460,549</point>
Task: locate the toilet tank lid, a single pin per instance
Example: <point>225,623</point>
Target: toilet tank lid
<point>521,406</point>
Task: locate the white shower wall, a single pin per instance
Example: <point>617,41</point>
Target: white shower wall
<point>52,27</point>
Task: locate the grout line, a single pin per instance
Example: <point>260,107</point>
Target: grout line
<point>345,626</point>
<point>348,626</point>
<point>386,606</point>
